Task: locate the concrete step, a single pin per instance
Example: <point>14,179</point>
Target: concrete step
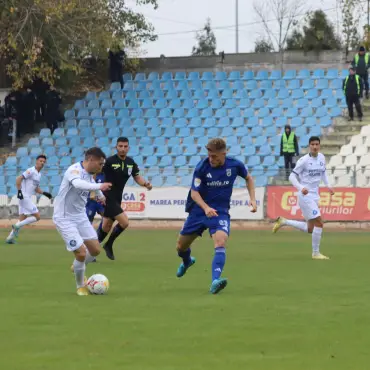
<point>350,126</point>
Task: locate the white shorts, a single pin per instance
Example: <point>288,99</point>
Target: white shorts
<point>26,207</point>
<point>74,232</point>
<point>309,205</point>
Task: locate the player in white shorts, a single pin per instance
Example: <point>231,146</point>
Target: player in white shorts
<point>306,177</point>
<point>28,184</point>
<point>70,216</point>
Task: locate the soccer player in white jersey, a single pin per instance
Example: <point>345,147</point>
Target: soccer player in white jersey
<point>70,216</point>
<point>28,184</point>
<point>306,177</point>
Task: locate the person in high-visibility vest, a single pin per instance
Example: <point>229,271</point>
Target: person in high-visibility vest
<point>289,148</point>
<point>361,64</point>
<point>352,88</point>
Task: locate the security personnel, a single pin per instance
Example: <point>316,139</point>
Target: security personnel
<point>361,65</point>
<point>118,169</point>
<point>288,149</point>
<point>352,88</point>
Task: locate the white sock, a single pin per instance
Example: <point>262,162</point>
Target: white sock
<point>28,220</point>
<point>79,271</point>
<point>300,225</point>
<point>316,239</point>
<point>89,258</point>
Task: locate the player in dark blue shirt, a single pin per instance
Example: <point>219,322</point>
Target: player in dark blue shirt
<point>92,206</point>
<point>208,207</point>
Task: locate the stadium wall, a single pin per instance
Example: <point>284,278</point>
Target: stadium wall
<point>291,60</point>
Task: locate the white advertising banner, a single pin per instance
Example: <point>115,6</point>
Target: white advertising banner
<point>169,203</point>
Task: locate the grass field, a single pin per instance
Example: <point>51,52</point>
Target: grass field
<point>281,310</point>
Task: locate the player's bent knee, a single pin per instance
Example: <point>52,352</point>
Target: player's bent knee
<point>220,239</point>
<point>80,253</point>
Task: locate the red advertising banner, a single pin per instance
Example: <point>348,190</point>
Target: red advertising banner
<point>347,204</point>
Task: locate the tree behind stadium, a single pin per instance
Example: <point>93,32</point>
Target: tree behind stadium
<point>44,38</point>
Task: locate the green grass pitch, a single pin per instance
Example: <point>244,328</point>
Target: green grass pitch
<point>281,310</point>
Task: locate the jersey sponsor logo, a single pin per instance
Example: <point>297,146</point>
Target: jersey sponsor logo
<point>218,183</point>
<point>228,172</point>
<point>129,170</point>
<point>197,182</point>
<point>209,175</point>
<point>116,166</point>
<point>315,172</point>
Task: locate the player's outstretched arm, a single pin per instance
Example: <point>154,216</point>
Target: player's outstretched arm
<point>197,198</point>
<point>18,184</point>
<point>90,186</point>
<point>142,182</point>
<point>252,192</point>
<point>45,193</point>
<point>325,180</point>
<point>294,180</point>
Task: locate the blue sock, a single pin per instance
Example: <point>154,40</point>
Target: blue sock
<point>185,255</point>
<point>218,262</point>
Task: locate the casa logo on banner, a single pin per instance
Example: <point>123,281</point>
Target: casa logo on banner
<point>347,204</point>
<point>134,201</point>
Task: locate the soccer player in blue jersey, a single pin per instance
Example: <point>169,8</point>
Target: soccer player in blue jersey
<point>93,206</point>
<point>208,207</point>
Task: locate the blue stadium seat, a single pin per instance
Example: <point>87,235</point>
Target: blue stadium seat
<point>310,121</point>
<point>213,132</point>
<point>153,76</point>
<point>322,84</point>
<point>220,76</point>
<point>318,74</point>
<point>169,132</point>
<point>140,77</point>
<point>141,131</point>
<point>303,143</point>
<point>147,151</point>
<point>45,133</point>
<point>303,74</point>
<point>55,181</point>
<point>248,75</point>
<point>231,140</point>
<point>302,103</point>
<point>10,162</point>
<point>188,104</point>
<point>308,84</point>
<point>294,85</point>
<point>249,112</point>
<point>262,75</point>
<point>281,122</point>
<point>111,123</point>
<point>325,121</point>
<point>182,86</point>
<point>317,103</point>
<point>336,84</point>
<point>115,86</point>
<point>206,113</point>
<point>332,74</point>
<point>117,95</point>
<point>296,122</point>
<point>258,103</point>
<point>123,113</point>
<point>270,131</point>
<point>234,150</point>
<point>82,123</point>
<point>252,122</point>
<point>194,160</point>
<point>113,133</point>
<point>180,123</point>
<point>335,112</point>
<point>186,94</point>
<point>167,122</point>
<point>272,103</point>
<point>266,85</point>
<point>297,94</point>
<point>222,112</point>
<point>106,103</point>
<point>268,161</point>
<point>255,94</point>
<point>321,112</point>
<point>267,121</point>
<point>241,131</point>
<point>223,122</point>
<point>241,94</point>
<point>128,132</point>
<point>235,75</point>
<point>269,94</point>
<point>202,141</point>
<point>263,112</point>
<point>161,151</point>
<point>168,76</point>
<point>244,103</point>
<point>84,132</point>
<point>227,94</point>
<point>180,161</point>
<point>52,163</point>
<point>69,123</point>
<point>104,95</point>
<point>238,85</point>
<point>160,103</point>
<point>139,122</point>
<point>199,132</point>
<point>275,75</point>
<point>90,95</point>
<point>196,85</point>
<point>77,152</point>
<point>34,142</point>
<point>326,94</point>
<point>49,151</point>
<point>253,160</point>
<point>173,142</point>
<point>290,74</point>
<point>193,76</point>
<point>278,84</point>
<point>22,152</point>
<point>211,85</point>
<point>152,122</point>
<point>207,76</point>
<point>331,103</point>
<point>251,85</point>
<point>235,112</point>
<point>261,181</point>
<point>155,132</point>
<point>178,113</point>
<point>70,113</point>
<point>291,112</point>
<point>277,113</point>
<point>65,162</point>
<point>165,161</point>
<point>283,94</point>
<point>312,94</point>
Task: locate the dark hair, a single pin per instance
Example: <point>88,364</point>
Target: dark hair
<point>95,152</point>
<point>41,156</point>
<point>122,139</point>
<point>314,138</point>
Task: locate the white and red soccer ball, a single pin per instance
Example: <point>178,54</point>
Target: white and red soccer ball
<point>98,284</point>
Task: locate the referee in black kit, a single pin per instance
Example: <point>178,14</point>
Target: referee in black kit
<point>117,170</point>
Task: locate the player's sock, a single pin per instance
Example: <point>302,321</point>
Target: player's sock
<point>117,231</point>
<point>79,271</point>
<point>28,220</point>
<point>316,239</point>
<point>218,262</point>
<point>300,225</point>
<point>89,258</point>
<point>185,255</point>
<point>101,233</point>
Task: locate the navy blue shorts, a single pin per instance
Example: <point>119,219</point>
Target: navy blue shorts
<point>197,224</point>
<point>92,208</point>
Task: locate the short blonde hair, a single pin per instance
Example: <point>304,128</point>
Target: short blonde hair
<point>216,145</point>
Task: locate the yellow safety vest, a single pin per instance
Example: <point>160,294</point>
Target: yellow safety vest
<point>288,143</point>
<point>357,78</point>
<point>357,58</point>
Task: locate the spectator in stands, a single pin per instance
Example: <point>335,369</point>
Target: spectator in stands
<point>13,104</point>
<point>40,89</point>
<point>29,106</point>
<point>352,88</point>
<point>52,114</point>
<point>289,148</point>
<point>361,64</point>
<point>117,58</point>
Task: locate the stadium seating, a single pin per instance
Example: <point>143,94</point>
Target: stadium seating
<point>170,117</point>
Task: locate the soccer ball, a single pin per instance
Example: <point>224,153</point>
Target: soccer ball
<point>98,284</point>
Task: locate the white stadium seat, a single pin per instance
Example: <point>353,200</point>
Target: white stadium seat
<point>361,180</point>
<point>346,150</point>
<point>335,160</point>
<point>344,181</point>
<point>340,171</point>
<point>365,160</point>
<point>357,140</point>
<point>14,201</point>
<point>367,171</point>
<point>367,141</point>
<point>44,202</point>
<point>365,130</point>
<point>361,150</point>
<point>351,160</point>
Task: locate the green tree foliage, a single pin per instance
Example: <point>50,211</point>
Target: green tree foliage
<point>263,46</point>
<point>350,23</point>
<point>206,41</point>
<point>317,34</point>
<point>44,38</point>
